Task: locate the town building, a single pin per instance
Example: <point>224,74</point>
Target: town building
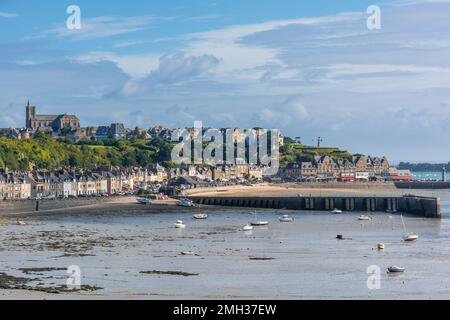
<point>49,122</point>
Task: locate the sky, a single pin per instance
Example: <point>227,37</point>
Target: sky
<point>308,68</point>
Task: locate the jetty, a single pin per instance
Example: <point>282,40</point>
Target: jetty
<point>428,207</point>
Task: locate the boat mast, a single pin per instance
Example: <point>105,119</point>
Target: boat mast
<point>403,223</point>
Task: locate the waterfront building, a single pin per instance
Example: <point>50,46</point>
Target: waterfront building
<point>400,175</point>
<point>14,187</point>
<point>156,173</point>
<point>40,185</point>
<point>113,182</point>
<point>86,185</point>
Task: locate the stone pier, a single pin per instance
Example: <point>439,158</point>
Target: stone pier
<point>420,206</point>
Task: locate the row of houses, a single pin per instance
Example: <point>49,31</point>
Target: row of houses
<point>67,183</point>
<point>358,168</point>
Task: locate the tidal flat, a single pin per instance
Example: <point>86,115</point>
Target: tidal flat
<point>138,255</point>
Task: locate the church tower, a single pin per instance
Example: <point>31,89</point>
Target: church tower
<point>30,114</point>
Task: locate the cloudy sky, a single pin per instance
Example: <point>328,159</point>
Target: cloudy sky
<point>308,68</point>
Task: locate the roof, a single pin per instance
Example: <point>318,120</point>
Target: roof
<point>45,117</point>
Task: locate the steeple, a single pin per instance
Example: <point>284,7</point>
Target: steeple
<point>30,114</point>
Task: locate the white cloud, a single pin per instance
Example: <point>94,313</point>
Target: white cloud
<point>205,18</point>
<point>136,66</point>
<point>102,27</point>
<point>228,43</point>
<point>291,111</point>
<point>179,67</point>
<point>7,15</point>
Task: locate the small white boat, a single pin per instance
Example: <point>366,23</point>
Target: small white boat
<point>364,218</point>
<point>185,203</point>
<point>144,200</point>
<point>411,237</point>
<point>336,211</point>
<point>21,223</point>
<point>200,216</point>
<point>260,223</point>
<point>381,246</point>
<point>180,225</point>
<point>396,269</point>
<point>286,218</point>
<point>247,227</point>
<point>188,253</point>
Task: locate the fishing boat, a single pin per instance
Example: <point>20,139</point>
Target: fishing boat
<point>144,200</point>
<point>185,203</point>
<point>408,237</point>
<point>336,211</point>
<point>286,218</point>
<point>247,227</point>
<point>180,225</point>
<point>364,218</point>
<point>200,216</point>
<point>396,269</point>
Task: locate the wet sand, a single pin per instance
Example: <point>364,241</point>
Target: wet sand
<point>136,254</point>
<point>11,210</point>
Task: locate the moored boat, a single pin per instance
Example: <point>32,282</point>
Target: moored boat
<point>364,218</point>
<point>188,253</point>
<point>396,269</point>
<point>411,237</point>
<point>286,218</point>
<point>144,200</point>
<point>336,211</point>
<point>180,225</point>
<point>247,227</point>
<point>200,216</point>
<point>185,203</point>
<point>260,223</point>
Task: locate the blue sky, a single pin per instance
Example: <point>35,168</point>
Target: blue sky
<point>309,68</point>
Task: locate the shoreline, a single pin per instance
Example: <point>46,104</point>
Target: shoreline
<point>26,208</point>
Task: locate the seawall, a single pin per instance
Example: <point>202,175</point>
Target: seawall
<point>419,206</point>
<point>427,185</point>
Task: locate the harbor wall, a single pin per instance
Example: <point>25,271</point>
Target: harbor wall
<point>423,185</point>
<point>414,205</point>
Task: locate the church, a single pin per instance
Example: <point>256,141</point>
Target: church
<point>49,122</point>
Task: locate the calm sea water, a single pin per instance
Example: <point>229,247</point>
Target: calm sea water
<point>421,176</point>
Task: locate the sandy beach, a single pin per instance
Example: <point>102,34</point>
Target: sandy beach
<point>293,189</point>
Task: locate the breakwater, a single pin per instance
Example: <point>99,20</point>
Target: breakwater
<point>409,204</point>
<point>426,185</point>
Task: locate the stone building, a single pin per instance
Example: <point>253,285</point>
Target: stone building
<point>49,122</point>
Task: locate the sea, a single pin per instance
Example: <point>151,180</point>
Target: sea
<point>425,176</point>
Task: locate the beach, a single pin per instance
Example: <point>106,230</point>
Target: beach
<point>129,251</point>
